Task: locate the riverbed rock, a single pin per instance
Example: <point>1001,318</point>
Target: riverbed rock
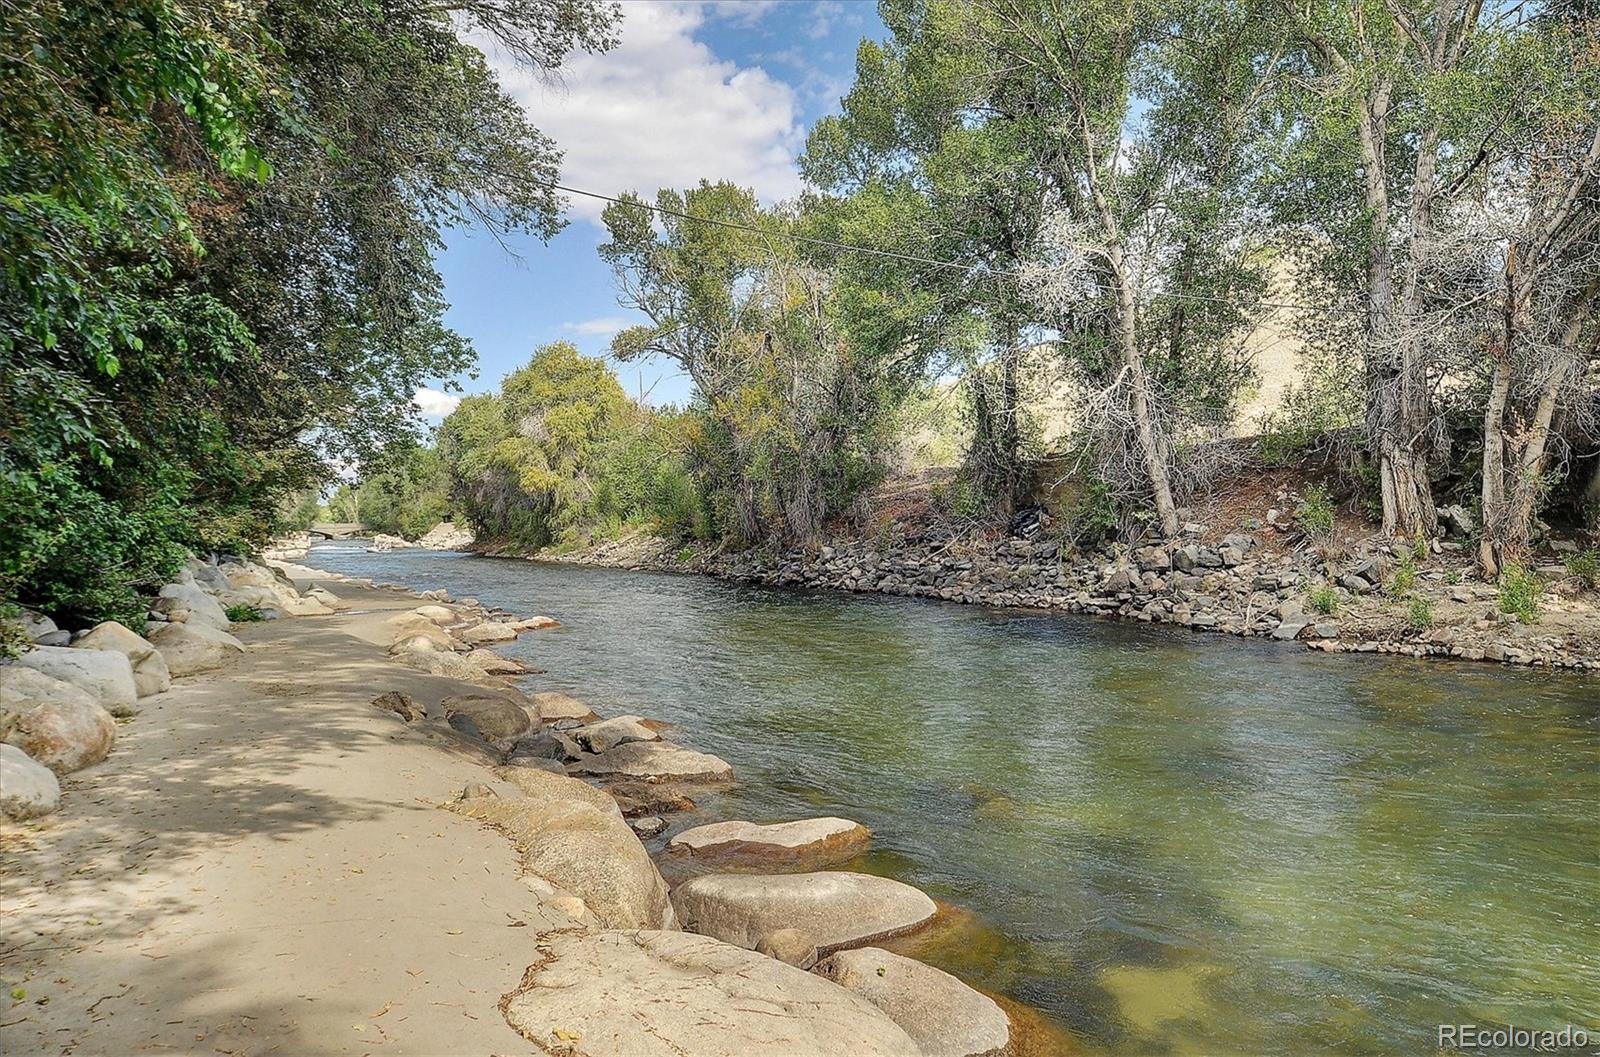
<point>495,664</point>
<point>536,623</point>
<point>487,632</point>
<point>401,704</point>
<point>64,735</point>
<point>790,946</point>
<point>544,786</point>
<point>436,614</point>
<point>838,910</point>
<point>648,826</point>
<point>150,674</point>
<point>637,799</point>
<point>499,718</point>
<point>28,789</point>
<point>587,851</point>
<point>656,761</point>
<point>607,734</point>
<point>806,844</point>
<point>670,994</point>
<point>945,1016</point>
<point>190,648</point>
<point>196,604</point>
<point>554,705</point>
<point>105,675</point>
<point>548,744</point>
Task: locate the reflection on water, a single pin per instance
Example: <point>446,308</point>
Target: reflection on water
<point>1173,845</point>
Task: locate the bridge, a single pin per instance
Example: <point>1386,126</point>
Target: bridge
<point>339,530</point>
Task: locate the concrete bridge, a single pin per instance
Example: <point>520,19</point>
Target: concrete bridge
<point>339,530</point>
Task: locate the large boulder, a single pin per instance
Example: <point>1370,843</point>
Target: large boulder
<point>64,735</point>
<point>495,664</point>
<point>541,785</point>
<point>326,598</point>
<point>28,788</point>
<point>607,734</point>
<point>192,647</point>
<point>637,799</point>
<point>150,674</point>
<point>838,910</point>
<point>807,844</point>
<point>945,1016</point>
<point>583,849</point>
<point>196,605</point>
<point>656,761</point>
<point>487,632</point>
<point>446,536</point>
<point>450,665</point>
<point>668,994</point>
<point>106,676</point>
<point>23,689</point>
<point>499,718</point>
<point>436,614</point>
<point>554,705</point>
<point>411,626</point>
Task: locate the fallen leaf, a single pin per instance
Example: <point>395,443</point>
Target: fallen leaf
<point>452,932</point>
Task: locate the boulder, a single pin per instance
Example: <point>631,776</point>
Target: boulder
<point>648,826</point>
<point>542,786</point>
<point>150,674</point>
<point>587,851</point>
<point>790,946</point>
<point>549,745</point>
<point>436,614</point>
<point>23,689</point>
<point>326,598</point>
<point>449,665</point>
<point>64,735</point>
<point>669,994</point>
<point>446,536</point>
<point>807,844</point>
<point>838,910</point>
<point>28,788</point>
<point>104,675</point>
<point>553,705</point>
<point>495,664</point>
<point>655,761</point>
<point>190,648</point>
<point>198,606</point>
<point>648,798</point>
<point>537,763</point>
<point>499,718</point>
<point>401,704</point>
<point>536,623</point>
<point>35,625</point>
<point>945,1016</point>
<point>607,734</point>
<point>383,542</point>
<point>486,632</point>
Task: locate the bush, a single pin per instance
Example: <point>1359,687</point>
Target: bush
<point>1586,567</point>
<point>1405,575</point>
<point>1519,593</point>
<point>1419,613</point>
<point>244,614</point>
<point>1314,512</point>
<point>1324,599</point>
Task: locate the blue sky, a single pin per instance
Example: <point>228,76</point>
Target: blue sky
<point>721,90</point>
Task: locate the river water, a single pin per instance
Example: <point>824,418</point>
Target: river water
<point>1174,844</point>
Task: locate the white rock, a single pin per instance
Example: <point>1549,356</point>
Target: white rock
<point>654,761</point>
<point>23,689</point>
<point>437,614</point>
<point>609,733</point>
<point>107,676</point>
<point>201,607</point>
<point>65,736</point>
<point>28,789</point>
<point>945,1016</point>
<point>837,910</point>
<point>150,674</point>
<point>192,647</point>
<point>487,632</point>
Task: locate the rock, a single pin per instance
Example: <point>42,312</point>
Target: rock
<point>476,789</point>
<point>327,598</point>
<point>499,718</point>
<point>646,798</point>
<point>105,675</point>
<point>669,994</point>
<point>538,763</point>
<point>649,826</point>
<point>1326,629</point>
<point>547,744</point>
<point>553,705</point>
<point>495,664</point>
<point>198,607</point>
<point>436,614</point>
<point>35,625</point>
<point>607,734</point>
<point>449,665</point>
<point>65,735</point>
<point>654,761</point>
<point>401,704</point>
<point>562,900</point>
<point>945,1016</point>
<point>28,789</point>
<point>837,910</point>
<point>1186,559</point>
<point>54,638</point>
<point>417,644</point>
<point>536,624</point>
<point>1290,629</point>
<point>790,946</point>
<point>542,786</point>
<point>446,536</point>
<point>383,542</point>
<point>150,674</point>
<point>1152,559</point>
<point>1457,520</point>
<point>1238,541</point>
<point>488,631</point>
<point>190,648</point>
<point>807,844</point>
<point>583,849</point>
<point>23,689</point>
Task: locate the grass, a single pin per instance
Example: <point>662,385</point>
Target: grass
<point>1324,599</point>
<point>1586,568</point>
<point>1519,593</point>
<point>244,614</point>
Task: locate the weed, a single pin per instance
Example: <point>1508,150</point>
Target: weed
<point>685,555</point>
<point>1324,599</point>
<point>1314,512</point>
<point>1405,575</point>
<point>1586,567</point>
<point>1519,593</point>
<point>1421,549</point>
<point>884,537</point>
<point>1419,612</point>
<point>245,614</point>
<point>1452,577</point>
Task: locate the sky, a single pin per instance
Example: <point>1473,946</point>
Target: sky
<point>713,90</point>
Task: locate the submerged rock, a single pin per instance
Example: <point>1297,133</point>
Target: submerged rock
<point>607,734</point>
<point>190,648</point>
<point>838,910</point>
<point>648,826</point>
<point>105,675</point>
<point>654,761</point>
<point>807,844</point>
<point>945,1016</point>
<point>28,789</point>
<point>669,994</point>
<point>150,674</point>
<point>649,798</point>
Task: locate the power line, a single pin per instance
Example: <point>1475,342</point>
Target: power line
<point>866,250</point>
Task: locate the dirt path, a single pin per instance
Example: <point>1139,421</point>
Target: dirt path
<point>258,869</point>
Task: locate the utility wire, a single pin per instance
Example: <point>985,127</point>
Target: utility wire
<point>866,250</point>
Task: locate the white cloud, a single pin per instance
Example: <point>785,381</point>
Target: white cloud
<point>661,110</point>
<point>602,327</point>
<point>433,403</point>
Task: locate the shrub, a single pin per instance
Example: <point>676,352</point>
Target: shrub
<point>1405,575</point>
<point>244,614</point>
<point>1452,577</point>
<point>1419,612</point>
<point>1324,599</point>
<point>1421,549</point>
<point>1586,567</point>
<point>1519,593</point>
<point>884,537</point>
<point>1314,512</point>
<point>1092,517</point>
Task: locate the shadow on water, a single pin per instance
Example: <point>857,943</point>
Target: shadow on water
<point>1169,844</point>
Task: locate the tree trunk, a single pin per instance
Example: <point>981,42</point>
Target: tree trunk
<point>1150,447</point>
<point>1490,547</point>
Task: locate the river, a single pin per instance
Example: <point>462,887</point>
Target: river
<point>1174,843</point>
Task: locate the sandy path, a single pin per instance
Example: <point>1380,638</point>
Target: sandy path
<point>258,869</point>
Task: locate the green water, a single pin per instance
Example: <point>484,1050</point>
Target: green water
<point>1173,844</point>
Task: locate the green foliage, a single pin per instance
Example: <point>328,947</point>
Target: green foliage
<point>1452,577</point>
<point>1405,575</point>
<point>1091,518</point>
<point>1520,588</point>
<point>1324,598</point>
<point>13,638</point>
<point>1585,567</point>
<point>244,614</point>
<point>1314,513</point>
<point>407,498</point>
<point>1419,613</point>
